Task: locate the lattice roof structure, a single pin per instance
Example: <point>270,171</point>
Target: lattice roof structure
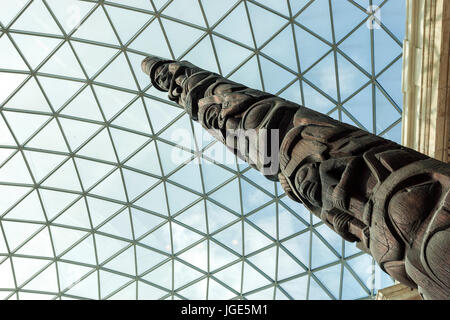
<point>105,196</point>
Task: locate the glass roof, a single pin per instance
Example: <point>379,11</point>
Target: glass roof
<point>103,192</point>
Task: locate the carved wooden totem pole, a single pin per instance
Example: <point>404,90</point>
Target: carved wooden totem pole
<point>393,201</point>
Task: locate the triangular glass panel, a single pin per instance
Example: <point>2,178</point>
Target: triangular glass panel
<point>119,226</point>
<point>111,282</point>
<point>49,138</point>
<point>91,171</point>
<point>216,10</point>
<point>161,113</point>
<point>264,23</point>
<point>69,274</point>
<point>127,293</point>
<point>231,276</point>
<point>231,237</point>
<point>83,252</point>
<point>358,47</point>
<point>196,291</point>
<point>287,267</point>
<point>124,262</point>
<point>93,57</point>
<point>248,74</point>
<point>357,106</point>
<point>172,157</point>
<point>189,177</point>
<point>296,288</point>
<point>238,17</point>
<point>202,55</point>
<point>65,177</point>
<point>15,171</point>
<point>346,17</point>
<point>186,10</point>
<point>330,277</point>
<point>97,28</point>
<point>83,106</point>
<point>63,63</point>
<point>118,74</point>
<point>218,217</point>
<point>299,247</point>
<point>350,78</point>
<point>126,142</point>
<point>161,276</point>
<point>107,247</point>
<point>320,253</point>
<point>100,147</point>
<point>310,19</point>
<point>58,91</point>
<point>253,239</point>
<point>70,13</point>
<point>331,237</point>
<point>37,18</point>
<point>183,237</point>
<point>386,112</point>
<point>46,280</point>
<point>6,138</point>
<point>111,187</point>
<point>316,292</point>
<point>15,194</point>
<point>275,77</point>
<point>213,175</point>
<point>282,47</point>
<point>134,118</point>
<point>29,97</point>
<point>252,197</point>
<point>280,6</point>
<point>147,259</point>
<point>228,196</point>
<point>148,292</point>
<point>137,183</point>
<point>146,159</point>
<point>144,222</point>
<point>351,289</point>
<point>100,210</point>
<point>28,209</point>
<point>219,256</point>
<point>152,41</point>
<point>7,278</point>
<point>309,48</point>
<point>180,44</point>
<point>194,217</point>
<point>197,256</point>
<point>42,163</point>
<point>55,201</point>
<point>315,100</point>
<point>64,238</point>
<point>155,200</point>
<point>252,279</point>
<point>26,268</point>
<point>391,81</point>
<point>86,288</point>
<point>40,245</point>
<point>266,219</point>
<point>9,57</point>
<point>228,62</point>
<point>183,274</point>
<point>266,261</point>
<point>180,132</point>
<point>112,101</point>
<point>159,239</point>
<point>128,22</point>
<point>23,125</point>
<point>10,82</point>
<point>323,75</point>
<point>10,11</point>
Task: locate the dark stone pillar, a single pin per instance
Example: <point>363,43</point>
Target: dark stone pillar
<point>393,201</point>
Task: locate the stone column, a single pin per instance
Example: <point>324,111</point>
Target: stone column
<point>393,201</point>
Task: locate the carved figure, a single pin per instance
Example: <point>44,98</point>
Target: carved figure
<point>393,201</point>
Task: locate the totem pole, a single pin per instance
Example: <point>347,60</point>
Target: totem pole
<point>393,201</point>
